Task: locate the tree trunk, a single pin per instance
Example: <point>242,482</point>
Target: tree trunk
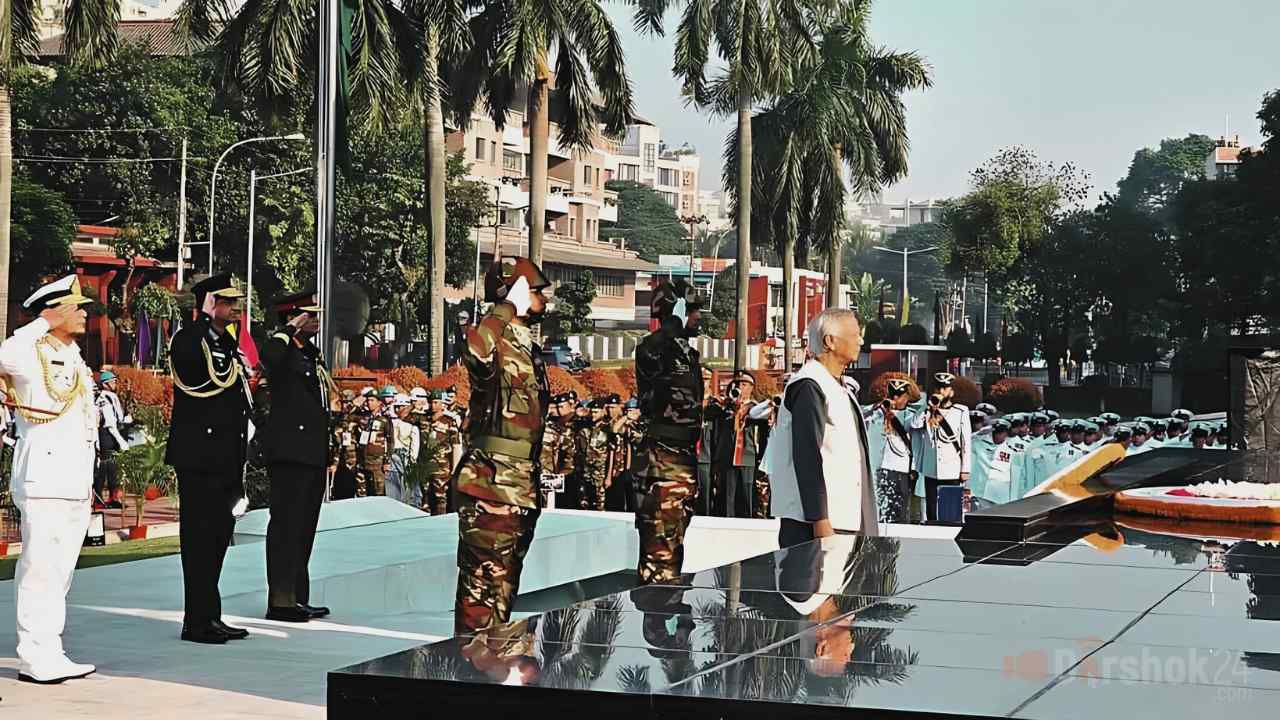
<point>744,229</point>
<point>539,137</point>
<point>435,172</point>
<point>788,300</point>
<point>6,197</point>
<point>835,259</point>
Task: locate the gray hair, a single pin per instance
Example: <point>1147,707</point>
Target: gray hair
<point>824,324</point>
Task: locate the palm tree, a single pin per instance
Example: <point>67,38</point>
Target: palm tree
<point>90,38</point>
<point>515,44</point>
<point>761,42</point>
<point>843,111</point>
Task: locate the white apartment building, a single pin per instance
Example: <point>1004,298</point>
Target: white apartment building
<point>642,157</point>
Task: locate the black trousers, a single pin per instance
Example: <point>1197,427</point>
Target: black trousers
<point>105,477</point>
<point>297,492</point>
<point>739,491</point>
<point>204,513</point>
<point>931,486</point>
<point>705,504</point>
<point>793,532</point>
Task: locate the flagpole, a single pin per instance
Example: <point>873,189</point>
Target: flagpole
<point>326,115</point>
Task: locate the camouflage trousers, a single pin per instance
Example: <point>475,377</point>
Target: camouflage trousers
<point>591,495</point>
<point>372,479</point>
<point>493,540</point>
<point>435,493</point>
<point>668,478</point>
<point>760,508</point>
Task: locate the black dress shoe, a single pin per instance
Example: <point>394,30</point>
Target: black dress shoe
<point>232,633</point>
<point>207,634</point>
<point>316,611</point>
<point>294,614</point>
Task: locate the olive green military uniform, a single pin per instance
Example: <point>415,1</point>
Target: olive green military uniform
<point>374,440</point>
<point>496,482</point>
<point>345,458</point>
<point>439,437</point>
<point>595,447</point>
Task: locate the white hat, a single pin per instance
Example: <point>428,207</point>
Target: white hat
<point>59,292</point>
<point>401,400</point>
<point>418,393</point>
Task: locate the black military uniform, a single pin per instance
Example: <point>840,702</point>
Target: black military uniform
<point>207,444</point>
<point>295,447</point>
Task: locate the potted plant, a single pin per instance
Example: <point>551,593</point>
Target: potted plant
<point>144,476</point>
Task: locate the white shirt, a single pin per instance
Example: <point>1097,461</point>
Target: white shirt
<point>111,415</point>
<point>945,456</point>
<point>53,459</point>
<point>888,449</point>
<point>407,437</point>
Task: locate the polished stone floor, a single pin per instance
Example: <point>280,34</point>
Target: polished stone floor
<point>1119,623</point>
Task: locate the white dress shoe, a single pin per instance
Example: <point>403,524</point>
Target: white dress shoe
<point>52,673</point>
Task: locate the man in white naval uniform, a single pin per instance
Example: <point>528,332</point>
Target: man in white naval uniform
<point>948,439</point>
<point>51,392</point>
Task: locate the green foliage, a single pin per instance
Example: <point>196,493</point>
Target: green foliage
<point>141,468</point>
<point>383,227</point>
<point>157,302</point>
<point>844,112</point>
<point>649,224</point>
<point>41,235</point>
<point>573,304</point>
<point>151,418</point>
<point>867,293</point>
<point>1156,175</point>
<point>1009,210</point>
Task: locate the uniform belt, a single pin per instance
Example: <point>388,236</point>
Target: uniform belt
<point>503,446</point>
<point>673,433</point>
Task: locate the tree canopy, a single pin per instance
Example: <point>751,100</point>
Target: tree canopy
<point>647,222</point>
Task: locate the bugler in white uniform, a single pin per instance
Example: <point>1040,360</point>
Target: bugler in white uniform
<point>51,390</point>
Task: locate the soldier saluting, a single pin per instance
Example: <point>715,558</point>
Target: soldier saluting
<point>51,392</point>
<point>496,484</point>
<point>296,450</point>
<point>207,442</point>
<point>669,378</point>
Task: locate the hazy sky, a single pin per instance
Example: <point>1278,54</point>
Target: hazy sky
<point>1089,81</point>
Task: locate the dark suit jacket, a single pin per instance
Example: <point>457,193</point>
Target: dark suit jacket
<point>208,434</point>
<point>297,429</point>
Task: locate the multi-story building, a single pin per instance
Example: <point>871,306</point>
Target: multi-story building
<point>577,202</point>
<point>1224,158</point>
<point>715,205</point>
<point>642,157</point>
<point>886,218</point>
<point>52,13</point>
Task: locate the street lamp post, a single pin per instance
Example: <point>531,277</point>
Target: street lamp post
<point>497,225</point>
<point>213,185</point>
<point>253,194</point>
<point>905,254</point>
<point>692,221</point>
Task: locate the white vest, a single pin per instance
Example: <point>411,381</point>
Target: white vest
<point>844,462</point>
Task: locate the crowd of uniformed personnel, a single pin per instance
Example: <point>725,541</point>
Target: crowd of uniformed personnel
<point>404,446</point>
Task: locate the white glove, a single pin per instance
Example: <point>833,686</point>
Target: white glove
<point>240,507</point>
<point>518,296</point>
<point>209,303</point>
<point>680,312</point>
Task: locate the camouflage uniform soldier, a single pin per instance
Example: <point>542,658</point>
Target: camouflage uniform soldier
<point>442,431</point>
<point>348,478</point>
<point>497,481</point>
<point>669,378</point>
<point>595,447</point>
<point>375,441</point>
